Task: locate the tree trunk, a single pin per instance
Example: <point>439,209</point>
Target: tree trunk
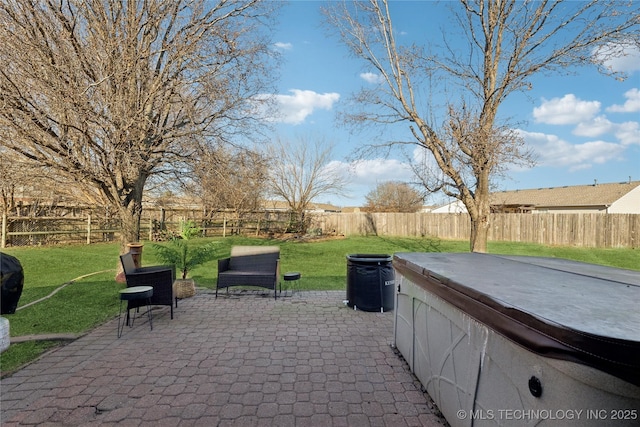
<point>479,233</point>
<point>130,213</point>
<point>130,216</point>
<point>128,197</point>
<point>481,214</point>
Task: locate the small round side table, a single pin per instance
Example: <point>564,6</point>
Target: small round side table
<point>293,276</point>
<point>131,294</point>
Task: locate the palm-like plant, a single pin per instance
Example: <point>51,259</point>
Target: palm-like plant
<point>181,253</point>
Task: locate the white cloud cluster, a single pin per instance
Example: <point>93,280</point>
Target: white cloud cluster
<point>372,171</point>
<point>619,58</point>
<point>372,78</point>
<point>628,133</point>
<point>556,152</point>
<point>364,175</point>
<point>378,170</point>
<point>566,110</point>
<point>283,46</point>
<point>570,110</point>
<point>296,107</point>
<point>610,139</point>
<point>631,105</point>
<point>595,127</point>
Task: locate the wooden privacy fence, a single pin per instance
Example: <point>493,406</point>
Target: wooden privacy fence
<point>576,229</point>
<point>585,230</point>
<point>155,225</point>
<point>41,231</point>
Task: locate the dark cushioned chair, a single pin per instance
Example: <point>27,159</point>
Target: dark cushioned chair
<point>160,277</point>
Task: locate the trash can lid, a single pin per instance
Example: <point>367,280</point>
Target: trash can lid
<point>369,257</point>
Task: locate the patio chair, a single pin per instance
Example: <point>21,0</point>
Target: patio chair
<point>160,277</point>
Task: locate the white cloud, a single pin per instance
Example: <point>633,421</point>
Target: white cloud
<point>628,133</point>
<point>364,175</point>
<point>631,105</point>
<point>295,108</point>
<point>597,151</point>
<point>619,58</point>
<point>565,110</point>
<point>283,45</point>
<point>597,126</point>
<point>555,152</point>
<point>373,171</point>
<point>371,77</point>
<point>379,170</point>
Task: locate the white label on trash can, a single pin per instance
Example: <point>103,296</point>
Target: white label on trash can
<point>389,282</point>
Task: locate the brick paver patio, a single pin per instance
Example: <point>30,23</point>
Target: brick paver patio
<point>242,360</point>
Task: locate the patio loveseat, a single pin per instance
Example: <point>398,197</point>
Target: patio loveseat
<point>250,266</point>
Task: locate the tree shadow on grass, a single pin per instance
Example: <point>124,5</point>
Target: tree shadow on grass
<point>425,244</point>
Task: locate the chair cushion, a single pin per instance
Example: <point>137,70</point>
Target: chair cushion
<point>253,250</point>
<point>254,258</point>
<point>262,262</point>
<point>127,263</point>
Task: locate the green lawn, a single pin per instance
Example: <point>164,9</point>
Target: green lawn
<point>93,298</point>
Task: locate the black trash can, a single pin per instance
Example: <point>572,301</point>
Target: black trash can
<point>370,282</point>
<point>12,281</point>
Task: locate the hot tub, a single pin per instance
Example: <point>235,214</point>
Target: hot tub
<point>506,340</point>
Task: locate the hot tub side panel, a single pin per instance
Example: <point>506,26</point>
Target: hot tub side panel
<point>466,366</point>
<point>439,351</point>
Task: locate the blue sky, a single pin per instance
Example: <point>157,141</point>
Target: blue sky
<point>583,127</point>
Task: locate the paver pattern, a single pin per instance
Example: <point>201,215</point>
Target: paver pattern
<point>238,360</point>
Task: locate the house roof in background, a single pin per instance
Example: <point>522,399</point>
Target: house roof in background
<point>282,205</point>
<point>575,195</point>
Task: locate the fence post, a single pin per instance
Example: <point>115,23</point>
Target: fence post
<point>150,228</point>
<point>89,229</point>
<point>3,242</point>
<point>224,226</point>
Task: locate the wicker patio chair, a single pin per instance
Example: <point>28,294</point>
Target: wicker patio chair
<point>160,277</point>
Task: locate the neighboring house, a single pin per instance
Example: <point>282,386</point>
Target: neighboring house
<point>621,197</point>
<point>357,209</point>
<point>282,206</point>
<point>454,207</point>
<point>351,209</point>
<point>323,207</point>
<point>427,209</point>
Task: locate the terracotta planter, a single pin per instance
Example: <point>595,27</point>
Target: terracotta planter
<point>136,251</point>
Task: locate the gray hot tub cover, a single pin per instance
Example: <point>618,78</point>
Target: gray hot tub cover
<point>561,309</point>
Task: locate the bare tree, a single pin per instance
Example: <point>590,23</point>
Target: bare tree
<point>230,178</point>
<point>507,43</point>
<point>27,188</point>
<point>394,196</point>
<point>13,177</point>
<point>300,172</point>
<point>113,92</point>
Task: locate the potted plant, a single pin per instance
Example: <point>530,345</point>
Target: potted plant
<point>185,256</point>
